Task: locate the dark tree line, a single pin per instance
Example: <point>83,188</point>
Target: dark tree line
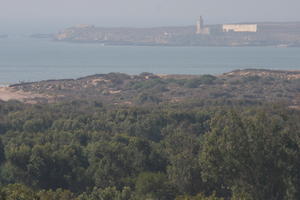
<point>84,150</point>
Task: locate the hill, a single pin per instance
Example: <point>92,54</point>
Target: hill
<point>248,86</point>
<point>169,137</point>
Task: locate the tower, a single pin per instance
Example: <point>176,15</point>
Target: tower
<point>200,25</point>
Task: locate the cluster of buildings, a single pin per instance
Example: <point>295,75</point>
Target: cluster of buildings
<point>225,28</point>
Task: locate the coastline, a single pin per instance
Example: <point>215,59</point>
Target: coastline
<point>121,44</point>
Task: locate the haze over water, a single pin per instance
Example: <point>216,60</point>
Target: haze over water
<point>25,59</point>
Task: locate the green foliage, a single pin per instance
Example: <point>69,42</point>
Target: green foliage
<point>109,193</point>
<point>2,152</point>
<point>147,98</point>
<point>252,155</point>
<point>17,192</point>
<point>205,79</point>
<point>84,151</point>
<point>199,197</point>
<point>184,171</point>
<point>153,186</point>
<point>58,194</point>
<point>148,84</point>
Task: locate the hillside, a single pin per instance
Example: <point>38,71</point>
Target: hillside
<point>214,143</point>
<point>248,86</point>
<point>168,137</point>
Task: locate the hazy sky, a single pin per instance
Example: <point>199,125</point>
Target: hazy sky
<point>46,15</point>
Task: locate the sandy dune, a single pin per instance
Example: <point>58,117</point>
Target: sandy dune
<point>7,93</point>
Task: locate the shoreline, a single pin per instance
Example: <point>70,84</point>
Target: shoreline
<point>161,75</point>
<point>170,45</point>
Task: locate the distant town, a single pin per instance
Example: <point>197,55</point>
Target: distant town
<point>282,34</point>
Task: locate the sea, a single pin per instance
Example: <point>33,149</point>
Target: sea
<point>25,59</point>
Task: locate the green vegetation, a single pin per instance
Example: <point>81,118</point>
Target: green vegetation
<point>87,150</point>
<point>247,86</point>
<point>155,137</point>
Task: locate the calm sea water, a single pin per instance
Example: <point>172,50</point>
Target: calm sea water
<point>26,59</point>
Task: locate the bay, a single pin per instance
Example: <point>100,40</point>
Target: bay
<point>27,59</point>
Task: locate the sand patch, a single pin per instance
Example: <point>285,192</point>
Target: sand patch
<point>8,93</point>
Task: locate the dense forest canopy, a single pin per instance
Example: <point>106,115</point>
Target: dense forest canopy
<point>88,150</point>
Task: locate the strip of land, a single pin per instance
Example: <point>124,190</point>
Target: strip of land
<point>281,34</point>
<point>244,86</point>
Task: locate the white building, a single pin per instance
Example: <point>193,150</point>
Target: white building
<point>240,28</point>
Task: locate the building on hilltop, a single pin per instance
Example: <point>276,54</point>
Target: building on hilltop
<point>200,28</point>
<point>240,28</point>
<point>200,25</point>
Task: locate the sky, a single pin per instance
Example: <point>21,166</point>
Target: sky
<point>51,15</point>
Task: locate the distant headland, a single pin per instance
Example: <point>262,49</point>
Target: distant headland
<point>282,34</point>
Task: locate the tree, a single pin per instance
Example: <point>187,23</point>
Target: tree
<point>58,194</point>
<point>250,156</point>
<point>17,192</point>
<point>2,152</point>
<point>199,197</point>
<point>184,170</point>
<point>109,193</point>
<point>154,185</point>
